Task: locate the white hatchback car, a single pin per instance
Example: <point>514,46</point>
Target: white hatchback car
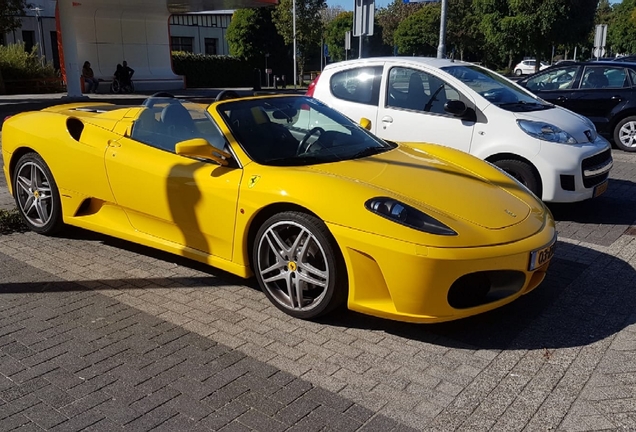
<point>554,152</point>
<point>527,67</point>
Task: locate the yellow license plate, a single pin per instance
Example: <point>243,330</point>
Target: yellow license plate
<point>600,189</point>
<point>542,256</point>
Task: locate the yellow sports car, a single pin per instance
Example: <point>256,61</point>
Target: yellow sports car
<point>322,212</point>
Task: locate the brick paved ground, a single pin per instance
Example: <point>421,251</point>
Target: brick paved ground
<point>103,333</point>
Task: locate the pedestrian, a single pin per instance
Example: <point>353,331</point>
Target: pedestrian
<point>91,83</point>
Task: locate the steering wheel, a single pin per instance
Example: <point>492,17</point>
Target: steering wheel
<point>303,147</point>
<point>226,94</point>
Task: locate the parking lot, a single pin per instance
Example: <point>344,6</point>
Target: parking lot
<point>101,334</point>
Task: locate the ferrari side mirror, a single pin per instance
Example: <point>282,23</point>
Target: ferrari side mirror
<point>200,148</point>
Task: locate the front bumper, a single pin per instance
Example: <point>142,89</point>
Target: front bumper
<point>581,172</point>
<point>408,282</point>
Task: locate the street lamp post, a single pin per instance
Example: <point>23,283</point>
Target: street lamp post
<point>294,31</point>
<point>266,70</point>
<point>441,49</point>
<point>38,23</point>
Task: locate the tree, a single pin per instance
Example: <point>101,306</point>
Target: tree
<point>330,13</point>
<point>463,32</point>
<point>622,31</point>
<point>391,17</point>
<point>534,26</point>
<point>309,27</point>
<point>11,12</point>
<point>419,33</point>
<point>335,34</point>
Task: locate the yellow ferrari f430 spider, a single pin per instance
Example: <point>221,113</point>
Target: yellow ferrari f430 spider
<point>284,188</point>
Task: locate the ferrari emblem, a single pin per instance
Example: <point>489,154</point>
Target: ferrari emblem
<point>253,181</point>
<point>292,266</point>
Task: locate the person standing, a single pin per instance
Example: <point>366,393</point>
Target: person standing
<point>127,73</point>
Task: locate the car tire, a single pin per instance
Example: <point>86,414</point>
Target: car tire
<point>299,266</point>
<point>518,72</point>
<point>525,173</point>
<point>625,134</point>
<point>36,195</point>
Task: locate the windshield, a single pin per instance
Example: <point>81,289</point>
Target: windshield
<point>496,89</point>
<point>296,130</point>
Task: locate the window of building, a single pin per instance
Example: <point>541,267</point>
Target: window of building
<point>28,36</point>
<point>211,46</point>
<point>180,43</point>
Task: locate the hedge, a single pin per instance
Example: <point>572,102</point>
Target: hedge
<point>203,70</point>
<point>21,70</point>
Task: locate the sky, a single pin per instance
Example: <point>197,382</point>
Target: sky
<point>349,4</point>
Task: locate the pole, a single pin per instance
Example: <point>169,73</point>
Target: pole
<point>360,53</point>
<point>322,53</point>
<point>294,31</point>
<point>552,58</point>
<point>441,49</point>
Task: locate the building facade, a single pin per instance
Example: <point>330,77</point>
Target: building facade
<point>199,32</point>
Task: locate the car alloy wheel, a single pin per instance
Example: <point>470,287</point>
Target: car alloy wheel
<point>625,134</point>
<point>298,266</point>
<point>36,195</point>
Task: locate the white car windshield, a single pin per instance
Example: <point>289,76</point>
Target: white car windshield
<point>496,89</point>
<point>297,130</point>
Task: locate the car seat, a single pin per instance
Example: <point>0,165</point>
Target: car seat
<point>178,122</point>
<point>597,79</point>
<point>416,96</point>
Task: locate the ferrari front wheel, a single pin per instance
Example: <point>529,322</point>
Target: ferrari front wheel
<point>299,266</point>
<point>36,195</point>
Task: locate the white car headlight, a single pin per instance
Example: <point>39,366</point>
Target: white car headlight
<point>546,132</point>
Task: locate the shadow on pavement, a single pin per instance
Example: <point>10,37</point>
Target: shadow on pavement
<point>616,207</point>
<point>576,305</point>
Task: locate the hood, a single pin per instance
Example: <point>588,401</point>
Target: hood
<point>434,185</point>
<point>562,118</point>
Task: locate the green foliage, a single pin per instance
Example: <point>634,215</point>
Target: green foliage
<point>335,35</point>
<point>11,12</point>
<point>622,30</point>
<point>10,221</point>
<point>463,29</point>
<point>309,28</point>
<point>517,27</point>
<point>15,63</point>
<point>203,70</point>
<point>419,33</point>
<point>252,34</point>
<point>391,17</point>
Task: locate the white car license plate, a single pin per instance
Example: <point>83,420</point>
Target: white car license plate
<point>542,256</point>
<point>600,189</point>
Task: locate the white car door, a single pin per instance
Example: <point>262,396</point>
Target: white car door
<point>411,109</point>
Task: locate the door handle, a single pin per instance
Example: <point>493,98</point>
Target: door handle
<point>113,143</point>
<point>387,119</point>
<point>561,99</point>
<point>616,98</point>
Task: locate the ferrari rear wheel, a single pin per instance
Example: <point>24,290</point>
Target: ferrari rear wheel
<point>36,195</point>
<point>299,266</point>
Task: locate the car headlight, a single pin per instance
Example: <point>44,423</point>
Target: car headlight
<point>406,215</point>
<point>546,132</point>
